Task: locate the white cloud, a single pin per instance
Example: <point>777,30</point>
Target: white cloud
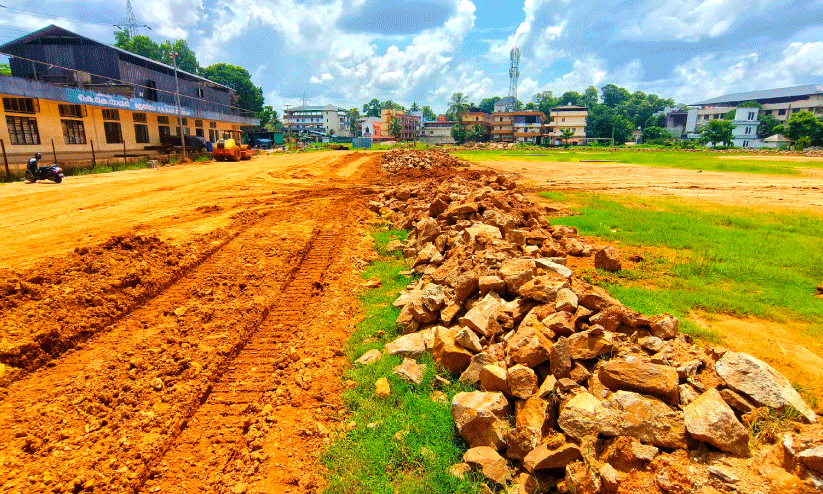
<point>804,58</point>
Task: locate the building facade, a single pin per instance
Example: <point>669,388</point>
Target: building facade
<point>566,117</point>
<point>438,133</point>
<point>326,120</point>
<point>410,124</point>
<point>371,127</point>
<point>746,122</point>
<point>68,93</point>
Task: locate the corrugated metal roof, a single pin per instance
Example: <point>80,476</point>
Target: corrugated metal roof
<point>784,92</point>
<point>52,29</point>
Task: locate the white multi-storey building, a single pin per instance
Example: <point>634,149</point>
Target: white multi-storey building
<point>328,120</point>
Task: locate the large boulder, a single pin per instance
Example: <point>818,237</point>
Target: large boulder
<point>542,288</point>
<point>494,378</point>
<point>665,327</point>
<point>544,458</point>
<point>528,346</point>
<point>607,258</point>
<point>516,273</point>
<point>427,230</point>
<point>482,317</point>
<point>522,381</point>
<point>448,353</point>
<point>410,345</point>
<point>710,419</point>
<point>580,416</point>
<point>763,384</point>
<point>591,344</point>
<point>644,418</point>
<point>812,458</point>
<point>633,374</point>
<point>489,463</point>
<point>480,418</point>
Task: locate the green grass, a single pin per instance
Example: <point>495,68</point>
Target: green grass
<point>412,440</point>
<point>718,259</point>
<point>114,166</point>
<point>691,160</point>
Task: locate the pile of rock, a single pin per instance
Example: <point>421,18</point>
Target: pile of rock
<point>394,161</point>
<point>595,389</point>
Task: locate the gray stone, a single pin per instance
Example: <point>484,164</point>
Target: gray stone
<point>710,419</point>
<point>410,345</point>
<point>759,381</point>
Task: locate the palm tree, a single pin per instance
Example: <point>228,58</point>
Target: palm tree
<point>458,105</point>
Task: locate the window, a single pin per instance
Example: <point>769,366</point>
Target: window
<point>213,125</point>
<point>767,112</point>
<point>139,117</point>
<point>748,130</point>
<point>198,132</point>
<point>751,115</point>
<point>22,130</point>
<point>796,110</point>
<point>200,92</point>
<point>21,105</point>
<point>163,119</point>
<point>109,114</point>
<point>745,144</point>
<point>782,111</point>
<point>185,121</point>
<point>187,131</point>
<point>164,130</point>
<point>198,123</point>
<point>151,91</point>
<point>212,135</point>
<point>113,133</point>
<point>141,133</point>
<point>73,131</point>
<point>72,111</point>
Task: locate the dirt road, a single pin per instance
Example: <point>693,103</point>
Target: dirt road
<point>740,189</point>
<point>178,330</point>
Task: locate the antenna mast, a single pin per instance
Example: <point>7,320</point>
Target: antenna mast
<point>514,74</point>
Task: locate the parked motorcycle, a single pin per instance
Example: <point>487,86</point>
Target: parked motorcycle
<point>35,173</point>
<point>53,173</point>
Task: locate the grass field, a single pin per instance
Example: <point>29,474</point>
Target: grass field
<point>692,160</point>
<point>702,258</point>
<point>406,442</point>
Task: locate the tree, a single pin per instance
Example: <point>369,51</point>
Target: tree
<point>656,135</point>
<point>354,120</point>
<point>458,105</point>
<point>803,129</point>
<point>266,116</point>
<point>570,98</point>
<point>140,45</point>
<point>395,129</point>
<point>614,96</point>
<point>458,133</point>
<point>5,69</point>
<point>604,122</point>
<point>567,134</point>
<point>186,60</point>
<point>715,131</point>
<point>590,97</point>
<point>249,97</point>
<point>372,108</point>
<point>414,107</point>
<point>750,104</point>
<point>730,115</point>
<point>655,121</point>
<point>487,104</point>
<point>390,105</point>
<point>767,125</point>
<point>428,114</point>
<point>476,133</point>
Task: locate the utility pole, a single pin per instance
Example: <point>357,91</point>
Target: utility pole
<point>179,110</point>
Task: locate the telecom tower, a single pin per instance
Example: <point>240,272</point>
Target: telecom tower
<point>514,74</point>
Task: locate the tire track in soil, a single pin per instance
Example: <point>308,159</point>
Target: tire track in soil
<point>88,419</point>
<point>220,447</point>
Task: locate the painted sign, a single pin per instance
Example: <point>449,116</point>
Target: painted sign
<point>114,101</point>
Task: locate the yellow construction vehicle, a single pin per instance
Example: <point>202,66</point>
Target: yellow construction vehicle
<point>230,148</point>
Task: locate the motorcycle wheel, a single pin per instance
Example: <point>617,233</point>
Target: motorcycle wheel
<point>57,179</point>
<point>29,177</point>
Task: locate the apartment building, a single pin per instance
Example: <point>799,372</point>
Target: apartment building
<point>411,124</point>
<point>519,126</point>
<point>328,120</point>
<point>439,132</point>
<point>566,117</point>
<point>481,118</point>
<point>73,92</point>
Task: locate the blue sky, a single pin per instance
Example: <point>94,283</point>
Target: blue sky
<point>346,52</point>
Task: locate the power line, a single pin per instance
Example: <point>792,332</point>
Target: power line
<point>52,16</point>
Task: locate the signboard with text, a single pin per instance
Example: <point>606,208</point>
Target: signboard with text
<point>84,97</point>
